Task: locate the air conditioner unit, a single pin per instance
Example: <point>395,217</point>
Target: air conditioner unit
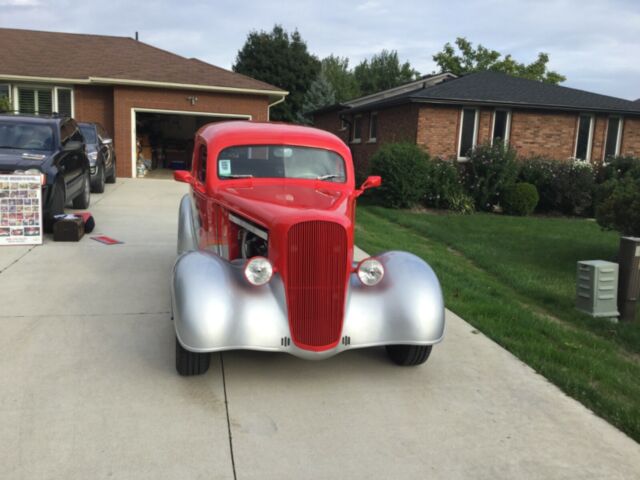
<point>597,288</point>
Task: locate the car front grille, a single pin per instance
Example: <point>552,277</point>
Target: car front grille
<point>316,282</point>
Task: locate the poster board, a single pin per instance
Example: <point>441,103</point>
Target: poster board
<point>20,210</point>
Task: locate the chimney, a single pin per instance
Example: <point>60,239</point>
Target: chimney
<point>136,36</point>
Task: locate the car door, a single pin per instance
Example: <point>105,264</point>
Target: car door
<point>72,161</point>
<point>200,193</point>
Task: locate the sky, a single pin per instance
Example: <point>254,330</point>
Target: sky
<point>594,43</point>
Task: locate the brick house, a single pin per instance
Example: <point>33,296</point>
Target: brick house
<point>449,115</point>
<point>125,85</point>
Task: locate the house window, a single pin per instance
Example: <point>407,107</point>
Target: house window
<point>614,137</point>
<point>468,130</point>
<point>583,141</point>
<point>373,127</point>
<point>357,129</point>
<point>5,93</point>
<point>501,126</point>
<point>63,102</point>
<point>45,101</point>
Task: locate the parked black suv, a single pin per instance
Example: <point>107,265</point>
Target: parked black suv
<point>102,158</point>
<point>53,146</point>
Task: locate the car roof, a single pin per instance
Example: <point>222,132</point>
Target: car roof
<point>32,118</point>
<point>231,133</point>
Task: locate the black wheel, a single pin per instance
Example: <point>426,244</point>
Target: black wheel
<point>97,186</point>
<point>57,206</point>
<point>111,178</point>
<point>191,363</point>
<point>82,201</point>
<point>407,355</point>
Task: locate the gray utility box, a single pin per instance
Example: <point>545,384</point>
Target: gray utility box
<point>597,288</point>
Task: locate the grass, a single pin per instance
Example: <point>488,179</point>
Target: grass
<point>514,279</point>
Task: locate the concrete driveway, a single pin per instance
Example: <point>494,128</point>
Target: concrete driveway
<point>88,388</point>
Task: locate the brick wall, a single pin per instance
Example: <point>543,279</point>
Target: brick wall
<point>631,137</point>
<point>438,130</point>
<point>94,104</point>
<point>126,98</point>
<point>550,134</point>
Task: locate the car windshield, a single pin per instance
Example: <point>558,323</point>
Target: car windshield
<point>89,133</point>
<point>26,136</point>
<point>280,161</point>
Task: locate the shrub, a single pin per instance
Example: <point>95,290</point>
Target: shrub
<point>460,202</point>
<point>617,167</point>
<point>620,210</point>
<point>5,104</point>
<point>563,186</point>
<point>520,199</point>
<point>441,184</point>
<point>488,170</point>
<point>403,168</point>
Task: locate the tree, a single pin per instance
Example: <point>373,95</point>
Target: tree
<point>479,59</point>
<point>336,71</point>
<point>281,59</point>
<point>383,71</point>
<point>320,94</point>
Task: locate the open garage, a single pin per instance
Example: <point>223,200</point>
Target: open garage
<point>164,139</point>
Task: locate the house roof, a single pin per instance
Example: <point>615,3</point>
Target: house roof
<point>100,59</point>
<point>493,88</point>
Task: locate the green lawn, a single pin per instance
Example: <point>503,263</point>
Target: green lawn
<point>513,278</point>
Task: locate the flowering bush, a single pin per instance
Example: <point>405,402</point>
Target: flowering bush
<point>441,183</point>
<point>487,172</point>
<point>563,186</point>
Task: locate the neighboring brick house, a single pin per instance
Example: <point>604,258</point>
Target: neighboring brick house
<point>448,116</point>
<point>117,80</point>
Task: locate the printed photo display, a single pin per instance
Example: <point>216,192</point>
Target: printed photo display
<point>20,210</point>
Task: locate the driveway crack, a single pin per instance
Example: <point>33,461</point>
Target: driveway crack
<point>17,259</point>
<point>226,406</point>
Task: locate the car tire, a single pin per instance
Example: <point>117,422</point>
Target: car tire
<point>57,206</point>
<point>97,186</point>
<point>111,178</point>
<point>191,363</point>
<point>83,200</point>
<point>409,355</point>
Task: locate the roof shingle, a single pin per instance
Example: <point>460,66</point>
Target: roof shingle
<point>79,56</point>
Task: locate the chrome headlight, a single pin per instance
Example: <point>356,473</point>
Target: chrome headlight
<point>92,155</point>
<point>370,271</point>
<point>258,271</point>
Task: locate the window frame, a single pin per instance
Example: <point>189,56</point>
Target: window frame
<point>618,147</point>
<point>371,117</point>
<point>9,91</point>
<point>589,139</point>
<point>507,127</point>
<point>343,124</point>
<point>15,91</point>
<point>358,139</point>
<point>476,121</point>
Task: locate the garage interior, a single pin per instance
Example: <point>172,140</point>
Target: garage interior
<point>165,142</point>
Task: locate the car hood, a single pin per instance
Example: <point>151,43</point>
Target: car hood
<point>13,159</point>
<point>285,203</point>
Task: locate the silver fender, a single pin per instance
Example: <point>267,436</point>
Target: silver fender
<point>188,226</point>
<point>216,309</point>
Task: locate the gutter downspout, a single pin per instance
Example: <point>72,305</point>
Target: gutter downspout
<point>274,104</point>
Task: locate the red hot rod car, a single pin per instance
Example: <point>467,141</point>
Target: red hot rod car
<point>265,245</point>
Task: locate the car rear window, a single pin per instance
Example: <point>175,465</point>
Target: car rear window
<point>280,161</point>
<point>89,134</point>
<point>26,136</point>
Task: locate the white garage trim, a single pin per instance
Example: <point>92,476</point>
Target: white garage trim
<point>134,111</point>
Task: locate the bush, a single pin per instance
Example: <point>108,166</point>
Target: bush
<point>487,172</point>
<point>617,167</point>
<point>566,187</point>
<point>441,184</point>
<point>620,210</point>
<point>403,168</point>
<point>460,202</point>
<point>5,104</point>
<point>520,199</point>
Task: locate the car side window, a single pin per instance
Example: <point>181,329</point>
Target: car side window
<point>202,163</point>
<point>66,132</point>
<point>76,136</point>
